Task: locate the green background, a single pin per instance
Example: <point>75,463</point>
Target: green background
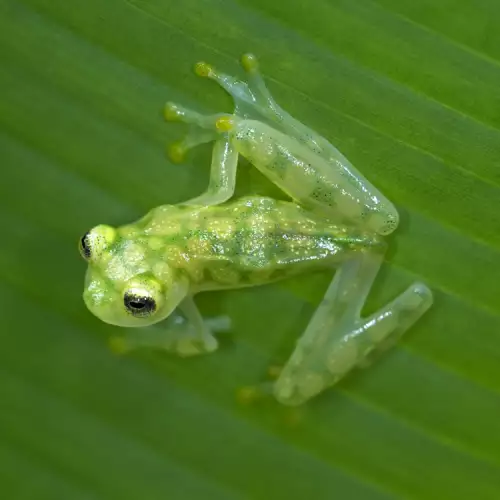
<point>408,91</point>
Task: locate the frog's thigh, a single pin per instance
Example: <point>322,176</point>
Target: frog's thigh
<point>336,339</point>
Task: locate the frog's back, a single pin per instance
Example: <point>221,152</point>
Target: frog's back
<point>247,241</point>
<point>258,239</point>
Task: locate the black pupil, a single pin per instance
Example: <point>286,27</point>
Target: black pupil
<point>139,306</point>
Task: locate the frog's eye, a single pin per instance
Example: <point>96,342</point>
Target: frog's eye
<point>143,297</point>
<point>85,246</point>
<point>96,241</point>
<point>139,304</point>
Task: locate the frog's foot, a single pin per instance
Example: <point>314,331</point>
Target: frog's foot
<point>204,128</point>
<point>184,346</point>
<point>251,97</point>
<point>253,393</point>
<point>257,394</point>
<point>179,338</point>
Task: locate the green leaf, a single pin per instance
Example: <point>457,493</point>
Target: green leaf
<point>409,91</point>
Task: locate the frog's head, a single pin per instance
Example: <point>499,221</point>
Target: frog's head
<point>125,285</point>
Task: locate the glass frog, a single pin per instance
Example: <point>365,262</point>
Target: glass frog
<point>148,271</point>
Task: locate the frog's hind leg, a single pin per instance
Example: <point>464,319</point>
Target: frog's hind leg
<point>337,339</point>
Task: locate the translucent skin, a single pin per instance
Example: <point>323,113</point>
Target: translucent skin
<point>139,274</point>
<point>251,241</point>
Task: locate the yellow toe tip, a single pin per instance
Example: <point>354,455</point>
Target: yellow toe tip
<point>293,418</point>
<point>171,112</point>
<point>224,124</point>
<point>274,371</point>
<point>249,62</point>
<point>203,69</point>
<point>248,395</point>
<point>176,152</point>
<point>117,345</point>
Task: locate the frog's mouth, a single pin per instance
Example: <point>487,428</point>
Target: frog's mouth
<point>105,302</point>
<point>99,296</point>
<point>119,303</point>
<point>108,307</point>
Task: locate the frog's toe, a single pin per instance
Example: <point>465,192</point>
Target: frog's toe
<point>254,393</point>
<point>118,345</point>
<point>177,152</point>
<point>236,88</point>
<point>187,347</point>
<point>203,69</point>
<point>274,371</point>
<point>174,112</point>
<point>249,395</point>
<point>204,128</point>
<point>250,63</point>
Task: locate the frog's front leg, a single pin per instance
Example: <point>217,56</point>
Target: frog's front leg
<point>337,339</point>
<point>186,335</point>
<point>298,160</point>
<point>224,155</point>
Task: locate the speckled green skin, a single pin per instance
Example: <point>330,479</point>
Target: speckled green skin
<point>141,273</point>
<point>251,241</point>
